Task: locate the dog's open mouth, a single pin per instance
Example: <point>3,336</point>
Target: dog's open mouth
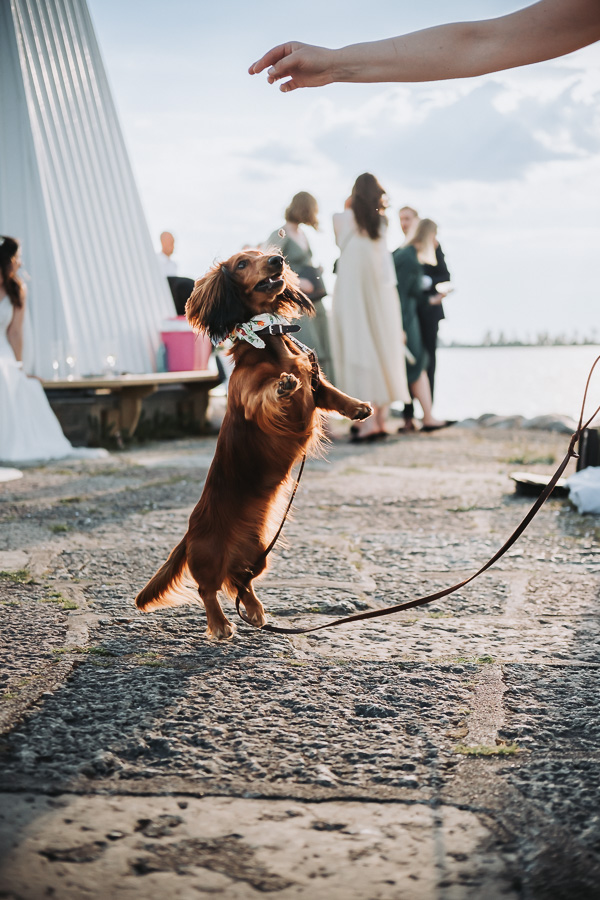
<point>271,284</point>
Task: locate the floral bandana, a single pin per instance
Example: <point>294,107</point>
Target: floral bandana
<point>246,331</point>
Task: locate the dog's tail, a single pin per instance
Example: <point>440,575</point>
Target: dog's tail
<point>172,585</point>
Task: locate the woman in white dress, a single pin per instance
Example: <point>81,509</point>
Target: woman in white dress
<point>366,334</point>
<point>29,430</point>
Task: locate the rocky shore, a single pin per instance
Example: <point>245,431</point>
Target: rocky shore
<point>447,752</point>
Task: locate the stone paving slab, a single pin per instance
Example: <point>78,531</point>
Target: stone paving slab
<point>326,726</point>
<point>146,846</point>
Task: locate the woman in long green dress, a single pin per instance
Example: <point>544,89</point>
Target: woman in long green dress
<point>294,246</point>
<point>408,261</point>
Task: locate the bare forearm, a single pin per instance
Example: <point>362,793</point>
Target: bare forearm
<point>15,339</point>
<point>14,332</point>
<point>431,55</point>
<point>464,49</point>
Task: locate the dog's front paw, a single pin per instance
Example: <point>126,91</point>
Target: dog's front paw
<point>361,411</point>
<point>220,631</point>
<point>287,385</point>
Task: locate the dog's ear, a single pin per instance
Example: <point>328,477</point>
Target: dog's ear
<point>216,306</point>
<point>292,301</point>
<point>295,297</point>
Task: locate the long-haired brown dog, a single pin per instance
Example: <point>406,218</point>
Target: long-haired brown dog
<point>273,417</point>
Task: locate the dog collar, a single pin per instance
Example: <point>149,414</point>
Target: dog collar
<point>271,323</point>
<point>268,323</point>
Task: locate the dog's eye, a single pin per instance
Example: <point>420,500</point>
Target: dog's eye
<point>242,264</point>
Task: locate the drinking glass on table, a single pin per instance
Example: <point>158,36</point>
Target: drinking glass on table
<point>110,355</point>
<point>109,365</point>
<point>57,359</point>
<point>71,362</point>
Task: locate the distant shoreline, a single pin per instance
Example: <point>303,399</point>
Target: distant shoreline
<point>459,345</point>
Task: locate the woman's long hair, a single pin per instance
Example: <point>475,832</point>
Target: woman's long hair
<point>367,203</point>
<point>424,230</point>
<point>13,285</point>
<point>303,210</point>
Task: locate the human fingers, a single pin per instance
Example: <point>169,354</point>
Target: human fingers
<point>290,85</point>
<point>290,66</point>
<point>273,57</point>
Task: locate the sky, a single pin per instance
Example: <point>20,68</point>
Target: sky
<point>508,164</point>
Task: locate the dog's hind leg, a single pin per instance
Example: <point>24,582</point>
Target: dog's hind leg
<point>254,608</point>
<point>219,626</point>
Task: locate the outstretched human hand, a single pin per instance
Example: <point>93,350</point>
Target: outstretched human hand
<point>303,64</point>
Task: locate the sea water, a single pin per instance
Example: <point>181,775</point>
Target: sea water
<point>507,381</point>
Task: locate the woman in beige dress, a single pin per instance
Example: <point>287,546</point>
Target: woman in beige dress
<point>366,334</point>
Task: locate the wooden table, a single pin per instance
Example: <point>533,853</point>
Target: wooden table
<point>130,390</point>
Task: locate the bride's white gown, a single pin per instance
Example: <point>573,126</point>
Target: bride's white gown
<point>29,430</point>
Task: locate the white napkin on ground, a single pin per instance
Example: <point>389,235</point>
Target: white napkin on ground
<point>10,474</point>
<point>584,490</point>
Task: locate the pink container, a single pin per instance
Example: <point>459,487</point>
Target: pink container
<point>186,351</point>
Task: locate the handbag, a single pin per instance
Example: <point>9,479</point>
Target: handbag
<point>314,275</point>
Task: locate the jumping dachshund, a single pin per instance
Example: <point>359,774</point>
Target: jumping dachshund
<point>275,409</point>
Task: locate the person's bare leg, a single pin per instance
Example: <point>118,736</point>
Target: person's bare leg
<point>380,417</point>
<point>421,390</point>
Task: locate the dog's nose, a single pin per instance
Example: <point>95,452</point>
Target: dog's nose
<point>276,261</point>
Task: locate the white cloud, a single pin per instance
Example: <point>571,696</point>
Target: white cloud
<point>469,135</point>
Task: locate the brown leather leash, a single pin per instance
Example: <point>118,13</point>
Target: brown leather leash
<point>429,598</point>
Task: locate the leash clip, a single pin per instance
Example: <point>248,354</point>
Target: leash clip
<point>279,328</point>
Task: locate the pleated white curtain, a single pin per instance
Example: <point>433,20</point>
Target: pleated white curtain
<point>68,193</point>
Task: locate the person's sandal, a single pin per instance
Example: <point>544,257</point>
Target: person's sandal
<point>367,438</point>
<point>409,427</point>
<point>445,424</point>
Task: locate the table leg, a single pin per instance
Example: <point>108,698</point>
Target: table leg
<point>198,394</point>
<point>130,407</point>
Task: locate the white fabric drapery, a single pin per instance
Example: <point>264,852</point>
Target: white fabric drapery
<point>68,193</point>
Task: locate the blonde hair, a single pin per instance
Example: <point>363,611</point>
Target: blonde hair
<point>303,210</point>
<point>425,229</point>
